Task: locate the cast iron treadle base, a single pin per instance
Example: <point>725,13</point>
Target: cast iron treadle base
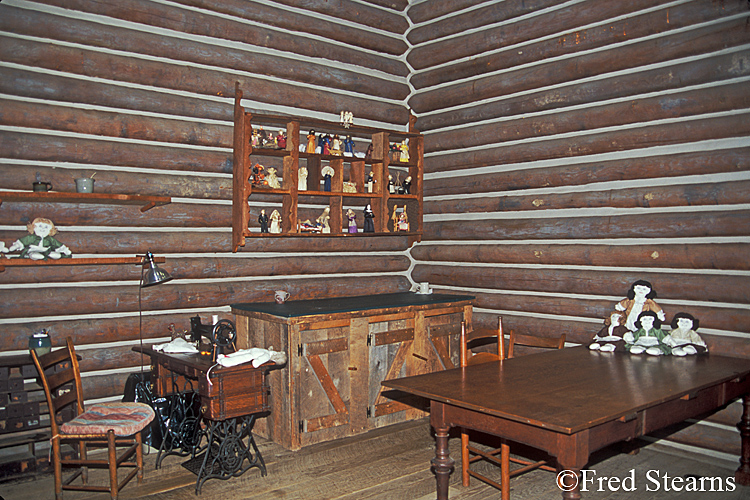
<point>226,451</point>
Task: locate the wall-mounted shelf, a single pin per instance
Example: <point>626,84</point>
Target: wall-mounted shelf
<point>296,205</point>
<point>145,202</point>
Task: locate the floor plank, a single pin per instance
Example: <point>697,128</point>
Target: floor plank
<point>393,463</point>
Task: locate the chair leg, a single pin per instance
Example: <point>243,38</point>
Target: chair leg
<point>56,461</point>
<point>505,470</point>
<point>112,452</point>
<point>82,454</point>
<point>464,458</point>
<point>139,455</point>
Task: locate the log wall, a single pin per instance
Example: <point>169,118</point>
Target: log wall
<point>572,148</point>
<point>140,94</point>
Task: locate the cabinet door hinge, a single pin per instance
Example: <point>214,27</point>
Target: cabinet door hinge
<point>300,350</point>
<point>369,339</point>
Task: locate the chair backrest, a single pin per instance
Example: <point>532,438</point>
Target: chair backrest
<point>468,358</point>
<point>60,377</point>
<point>533,341</point>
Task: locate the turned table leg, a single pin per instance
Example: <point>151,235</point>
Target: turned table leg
<point>742,476</point>
<point>442,464</point>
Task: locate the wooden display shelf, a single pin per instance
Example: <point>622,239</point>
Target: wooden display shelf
<point>146,202</point>
<point>378,167</point>
<point>73,261</point>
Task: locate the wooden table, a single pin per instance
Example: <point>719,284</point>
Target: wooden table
<point>340,349</point>
<point>572,402</point>
<point>230,400</point>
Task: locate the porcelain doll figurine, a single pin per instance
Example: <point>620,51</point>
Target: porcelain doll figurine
<point>255,138</point>
<point>323,219</point>
<point>272,178</point>
<point>369,226</point>
<point>391,185</point>
<point>281,139</point>
<point>648,337</point>
<point>640,299</point>
<point>302,179</point>
<point>310,142</point>
<point>407,185</point>
<point>275,222</point>
<point>609,338</point>
<point>348,146</point>
<point>263,221</point>
<point>370,181</point>
<point>683,339</point>
<point>350,215</point>
<point>404,148</point>
<point>40,243</point>
<point>336,145</point>
<point>327,176</point>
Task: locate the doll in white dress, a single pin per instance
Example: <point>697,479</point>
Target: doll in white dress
<point>683,339</point>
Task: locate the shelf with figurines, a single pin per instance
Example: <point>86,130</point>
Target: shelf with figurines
<point>312,162</point>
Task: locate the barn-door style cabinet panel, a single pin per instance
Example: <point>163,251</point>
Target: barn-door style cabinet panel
<point>340,350</point>
<point>313,172</point>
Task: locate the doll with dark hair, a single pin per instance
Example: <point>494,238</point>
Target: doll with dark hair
<point>683,339</point>
<point>640,299</point>
<point>609,338</point>
<point>648,338</point>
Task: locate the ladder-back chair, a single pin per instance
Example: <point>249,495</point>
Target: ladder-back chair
<point>109,425</point>
<point>470,454</point>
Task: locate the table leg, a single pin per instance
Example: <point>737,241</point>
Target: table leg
<point>742,475</point>
<point>442,464</point>
<point>569,482</point>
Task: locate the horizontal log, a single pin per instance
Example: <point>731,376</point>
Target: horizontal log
<point>19,176</point>
<point>681,44</point>
<point>192,79</point>
<point>607,22</point>
<point>686,131</point>
<point>720,193</point>
<point>396,5</point>
<point>130,243</point>
<point>356,12</point>
<point>64,214</point>
<point>212,26</point>
<point>103,386</point>
<point>113,124</point>
<point>213,268</point>
<point>581,332</point>
<point>714,318</point>
<point>52,148</point>
<point>174,295</point>
<point>662,225</point>
<point>110,358</point>
<point>664,78</point>
<point>34,23</point>
<point>431,9</point>
<point>494,13</point>
<point>287,19</point>
<point>649,167</point>
<point>88,332</point>
<point>648,255</point>
<point>673,286</point>
<point>36,85</point>
<point>675,105</point>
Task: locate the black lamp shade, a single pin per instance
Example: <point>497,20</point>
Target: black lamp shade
<point>154,275</point>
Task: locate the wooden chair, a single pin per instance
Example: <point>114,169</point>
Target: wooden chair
<point>468,358</point>
<point>109,425</point>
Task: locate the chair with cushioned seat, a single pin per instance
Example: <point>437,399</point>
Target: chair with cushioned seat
<point>470,454</point>
<point>109,425</point>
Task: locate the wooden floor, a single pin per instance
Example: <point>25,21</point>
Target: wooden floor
<point>390,464</point>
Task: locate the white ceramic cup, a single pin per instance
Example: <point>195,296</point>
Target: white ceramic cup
<point>280,296</point>
<point>424,287</point>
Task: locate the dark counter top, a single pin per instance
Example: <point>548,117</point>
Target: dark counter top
<point>297,308</point>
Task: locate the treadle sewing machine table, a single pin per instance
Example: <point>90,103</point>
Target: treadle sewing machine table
<point>230,400</point>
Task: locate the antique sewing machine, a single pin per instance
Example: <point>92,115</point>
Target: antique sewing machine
<point>220,337</point>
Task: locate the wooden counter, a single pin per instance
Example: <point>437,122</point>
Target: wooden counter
<point>340,350</point>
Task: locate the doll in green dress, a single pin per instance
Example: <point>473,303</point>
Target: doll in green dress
<point>40,243</point>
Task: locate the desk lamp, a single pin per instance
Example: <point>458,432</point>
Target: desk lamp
<point>151,275</point>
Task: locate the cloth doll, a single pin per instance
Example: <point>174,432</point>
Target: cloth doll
<point>40,243</point>
<point>640,299</point>
<point>648,337</point>
<point>609,338</point>
<point>683,339</point>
